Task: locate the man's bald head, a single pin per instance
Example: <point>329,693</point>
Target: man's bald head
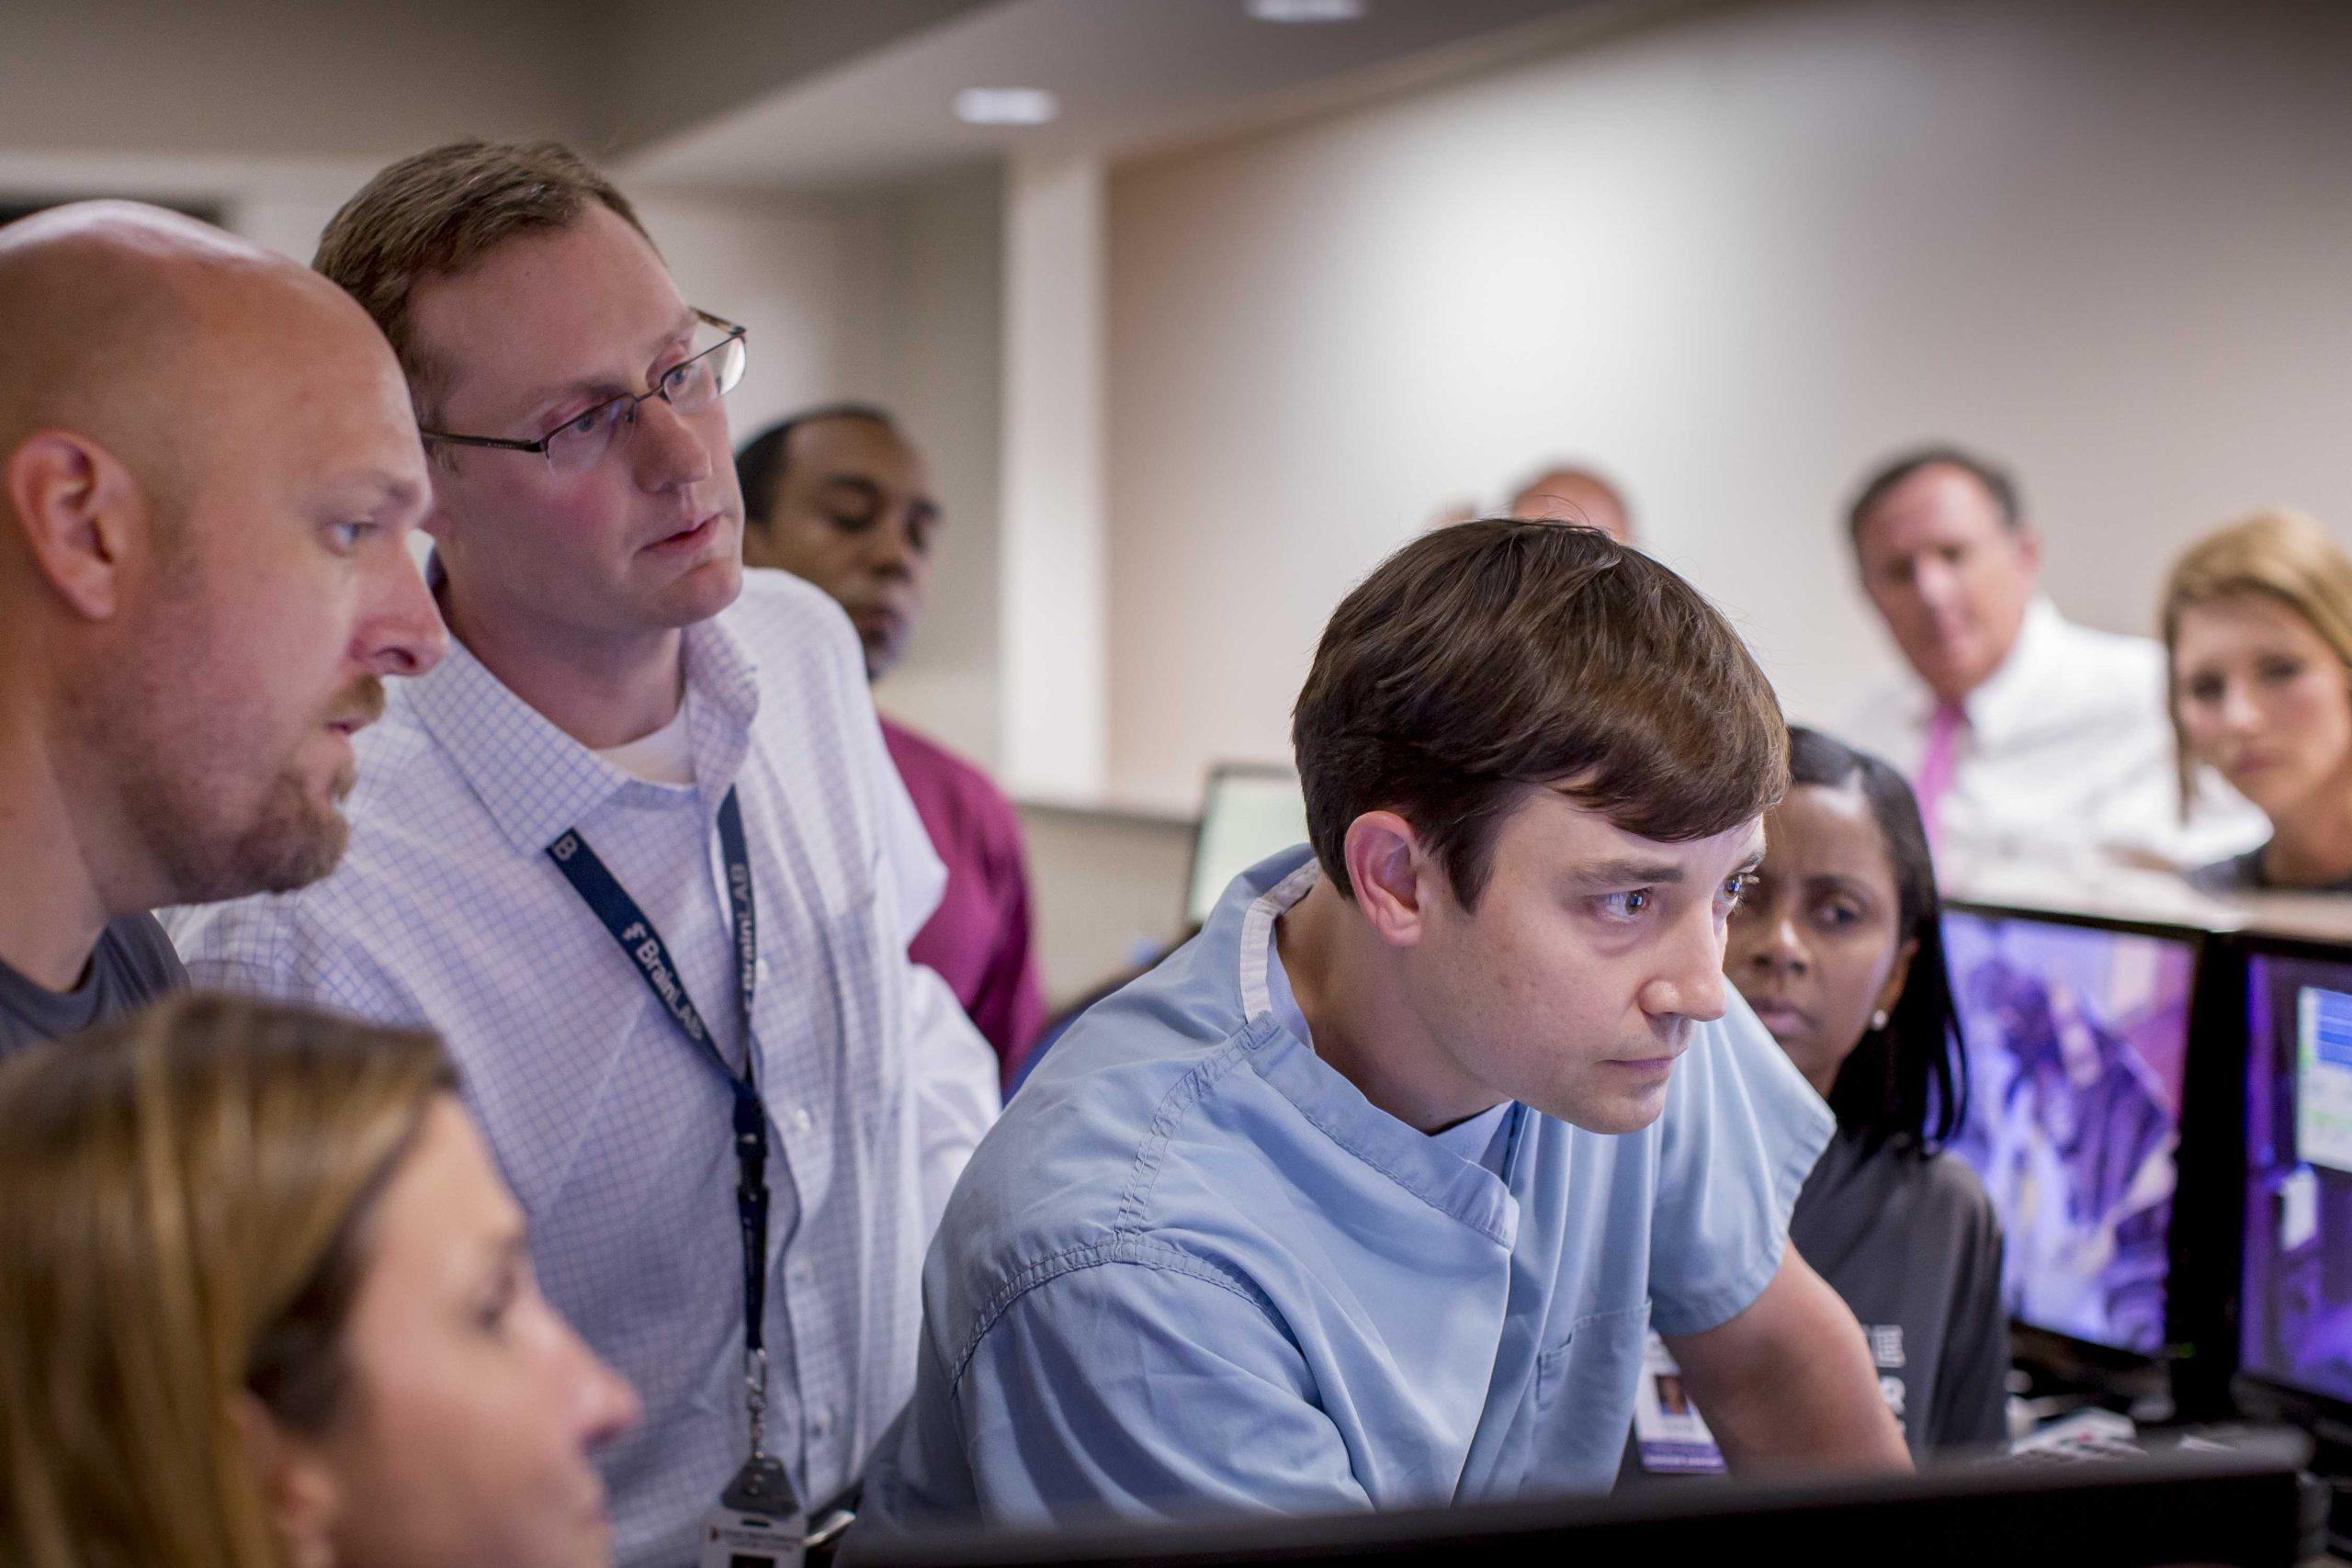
<point>209,470</point>
<point>142,331</point>
<point>1565,494</point>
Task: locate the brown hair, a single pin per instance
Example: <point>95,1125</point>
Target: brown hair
<point>2281,556</point>
<point>1996,482</point>
<point>184,1204</point>
<point>441,212</point>
<point>1489,658</point>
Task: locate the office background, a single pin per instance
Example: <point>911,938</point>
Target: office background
<point>1264,300</point>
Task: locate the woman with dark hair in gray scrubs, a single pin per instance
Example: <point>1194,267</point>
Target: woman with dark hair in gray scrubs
<point>1838,947</point>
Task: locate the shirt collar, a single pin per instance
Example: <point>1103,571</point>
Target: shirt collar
<point>2005,697</point>
<point>1463,1190</point>
<point>534,780</point>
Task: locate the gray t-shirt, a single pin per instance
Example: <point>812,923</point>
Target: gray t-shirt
<point>1910,1241</point>
<point>132,964</point>
<point>1911,1244</point>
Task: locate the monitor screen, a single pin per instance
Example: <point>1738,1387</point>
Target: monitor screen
<point>2076,1040</point>
<point>1249,813</point>
<point>2296,1321</point>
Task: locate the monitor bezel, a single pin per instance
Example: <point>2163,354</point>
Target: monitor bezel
<point>1952,1511</point>
<point>2325,1413</point>
<point>2200,1343</point>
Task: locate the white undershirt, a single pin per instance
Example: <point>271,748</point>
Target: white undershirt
<point>664,757</point>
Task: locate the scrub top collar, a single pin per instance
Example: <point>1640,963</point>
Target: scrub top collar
<point>1409,1158</point>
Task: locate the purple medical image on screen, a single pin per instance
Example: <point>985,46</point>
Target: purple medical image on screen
<point>2296,1322</point>
<point>2076,1044</point>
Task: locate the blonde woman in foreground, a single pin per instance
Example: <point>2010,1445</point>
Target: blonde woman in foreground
<point>265,1303</point>
<point>2257,619</point>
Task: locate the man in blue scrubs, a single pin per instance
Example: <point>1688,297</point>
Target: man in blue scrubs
<point>1368,1195</point>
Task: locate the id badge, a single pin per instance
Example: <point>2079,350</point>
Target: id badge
<point>757,1521</point>
<point>1668,1431</point>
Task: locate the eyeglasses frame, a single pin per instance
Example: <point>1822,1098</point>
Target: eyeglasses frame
<point>735,334</point>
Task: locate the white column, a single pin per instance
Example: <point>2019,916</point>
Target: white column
<point>1056,644</point>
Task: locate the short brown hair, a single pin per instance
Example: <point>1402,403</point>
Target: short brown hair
<point>1490,657</point>
<point>2283,556</point>
<point>185,1222</point>
<point>439,212</point>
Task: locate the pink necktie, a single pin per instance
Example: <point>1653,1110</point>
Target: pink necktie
<point>1933,780</point>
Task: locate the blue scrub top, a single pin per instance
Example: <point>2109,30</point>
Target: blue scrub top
<point>1195,1270</point>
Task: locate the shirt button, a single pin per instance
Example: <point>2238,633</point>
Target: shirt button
<point>801,1120</point>
<point>821,1424</point>
<point>761,969</point>
<point>802,1273</point>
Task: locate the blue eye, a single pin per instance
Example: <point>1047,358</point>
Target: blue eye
<point>348,537</point>
<point>1626,906</point>
<point>1737,887</point>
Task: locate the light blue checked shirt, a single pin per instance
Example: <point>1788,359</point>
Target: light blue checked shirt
<point>612,1129</point>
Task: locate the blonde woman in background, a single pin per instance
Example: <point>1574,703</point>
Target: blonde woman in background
<point>2257,619</point>
<point>265,1303</point>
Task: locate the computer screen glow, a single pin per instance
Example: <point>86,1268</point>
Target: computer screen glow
<point>2078,1039</point>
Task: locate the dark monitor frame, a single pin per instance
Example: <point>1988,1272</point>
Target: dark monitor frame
<point>1218,772</point>
<point>2203,1241</point>
<point>2256,1394</point>
<point>2239,1506</point>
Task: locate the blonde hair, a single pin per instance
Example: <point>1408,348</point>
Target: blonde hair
<point>183,1203</point>
<point>2284,557</point>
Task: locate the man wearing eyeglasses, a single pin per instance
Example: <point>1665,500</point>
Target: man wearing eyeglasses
<point>637,850</point>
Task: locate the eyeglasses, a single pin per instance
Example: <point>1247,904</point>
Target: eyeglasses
<point>689,387</point>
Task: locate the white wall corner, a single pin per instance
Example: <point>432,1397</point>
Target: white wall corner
<point>1055,734</point>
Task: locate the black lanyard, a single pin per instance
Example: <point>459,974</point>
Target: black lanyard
<point>604,893</point>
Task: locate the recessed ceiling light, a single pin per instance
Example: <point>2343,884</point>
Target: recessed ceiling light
<point>1307,10</point>
<point>1006,106</point>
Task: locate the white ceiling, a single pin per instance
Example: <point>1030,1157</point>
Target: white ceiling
<point>1133,75</point>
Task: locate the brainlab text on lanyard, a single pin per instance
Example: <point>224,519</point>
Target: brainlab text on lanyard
<point>606,896</point>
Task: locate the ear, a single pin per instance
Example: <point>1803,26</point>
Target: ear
<point>297,1486</point>
<point>1390,874</point>
<point>2029,548</point>
<point>83,517</point>
<point>1898,975</point>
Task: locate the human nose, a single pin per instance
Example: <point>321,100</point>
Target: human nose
<point>1691,982</point>
<point>1934,584</point>
<point>605,1405</point>
<point>1779,946</point>
<point>399,629</point>
<point>669,453</point>
<point>2238,712</point>
<point>890,549</point>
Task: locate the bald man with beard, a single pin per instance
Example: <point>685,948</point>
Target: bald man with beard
<point>208,470</point>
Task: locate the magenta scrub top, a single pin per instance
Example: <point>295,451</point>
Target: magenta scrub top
<point>978,938</point>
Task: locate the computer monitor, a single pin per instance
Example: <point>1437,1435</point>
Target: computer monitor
<point>2076,1031</point>
<point>2235,1501</point>
<point>1249,812</point>
<point>2295,1313</point>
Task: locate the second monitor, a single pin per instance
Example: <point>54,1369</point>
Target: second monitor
<point>2076,1035</point>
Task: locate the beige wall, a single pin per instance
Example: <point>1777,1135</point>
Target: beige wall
<point>302,78</point>
<point>1734,258</point>
<point>931,349</point>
